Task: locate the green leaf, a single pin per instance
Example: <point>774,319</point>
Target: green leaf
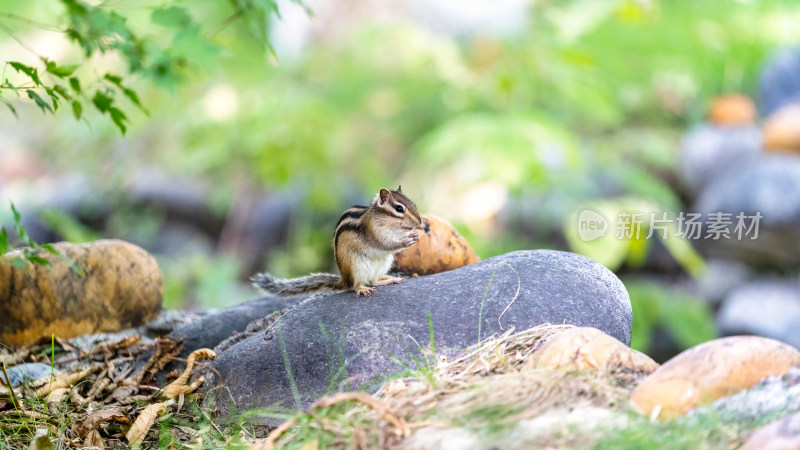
<point>190,43</point>
<point>688,258</point>
<point>74,35</point>
<point>60,71</point>
<point>173,16</point>
<point>11,107</point>
<point>77,109</point>
<point>119,118</point>
<point>3,241</point>
<point>19,263</point>
<point>102,101</point>
<point>39,101</point>
<point>50,249</point>
<point>77,269</point>
<point>74,267</point>
<point>67,227</point>
<point>38,260</point>
<point>31,72</point>
<point>53,97</point>
<point>114,79</point>
<point>688,320</point>
<point>76,7</point>
<point>133,97</point>
<point>75,84</point>
<point>62,91</point>
<point>18,227</point>
<point>17,215</point>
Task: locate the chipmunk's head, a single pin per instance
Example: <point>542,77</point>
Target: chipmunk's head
<point>396,204</point>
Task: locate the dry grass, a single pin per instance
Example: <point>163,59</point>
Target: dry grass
<point>493,385</point>
<point>491,394</point>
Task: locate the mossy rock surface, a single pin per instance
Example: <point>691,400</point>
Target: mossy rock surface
<point>122,288</point>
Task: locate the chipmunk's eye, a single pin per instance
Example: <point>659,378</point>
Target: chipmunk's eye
<point>399,208</point>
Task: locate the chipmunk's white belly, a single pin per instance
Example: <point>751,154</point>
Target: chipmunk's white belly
<point>369,267</point>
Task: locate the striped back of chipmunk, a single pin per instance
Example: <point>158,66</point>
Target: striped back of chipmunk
<point>350,221</point>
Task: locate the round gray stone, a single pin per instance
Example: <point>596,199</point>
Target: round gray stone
<point>27,372</point>
<point>766,308</point>
<point>770,186</point>
<point>780,81</point>
<point>707,151</point>
<point>344,342</point>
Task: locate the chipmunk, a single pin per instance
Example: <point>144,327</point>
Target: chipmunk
<point>364,243</point>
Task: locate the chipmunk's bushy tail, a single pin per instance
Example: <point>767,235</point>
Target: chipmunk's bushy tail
<point>315,282</point>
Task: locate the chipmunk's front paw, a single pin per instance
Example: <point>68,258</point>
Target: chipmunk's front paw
<point>386,280</point>
<point>411,239</point>
<point>365,291</point>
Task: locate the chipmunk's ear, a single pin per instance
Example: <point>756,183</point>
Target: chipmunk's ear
<point>400,188</point>
<point>383,195</point>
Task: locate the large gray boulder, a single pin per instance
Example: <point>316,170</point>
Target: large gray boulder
<point>341,341</point>
<point>212,329</point>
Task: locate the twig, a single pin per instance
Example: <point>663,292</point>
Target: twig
<point>24,45</point>
<point>16,357</point>
<point>273,437</point>
<point>41,25</point>
<point>377,405</point>
<point>29,414</point>
<point>7,384</point>
<point>224,24</point>
<point>519,286</point>
<point>362,397</point>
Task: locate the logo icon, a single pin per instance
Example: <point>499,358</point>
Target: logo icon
<point>591,225</point>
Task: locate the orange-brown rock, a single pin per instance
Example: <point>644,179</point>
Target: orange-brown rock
<point>710,371</point>
<point>121,289</point>
<point>440,248</point>
<point>589,348</point>
<point>781,130</point>
<point>782,434</point>
<point>734,109</point>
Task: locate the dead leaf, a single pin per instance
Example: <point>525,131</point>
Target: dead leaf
<point>102,416</point>
<point>166,349</point>
<point>145,420</point>
<point>58,395</point>
<point>64,380</point>
<point>122,393</point>
<point>178,387</point>
<point>93,439</point>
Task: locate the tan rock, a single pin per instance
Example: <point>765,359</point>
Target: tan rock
<point>710,371</point>
<point>781,130</point>
<point>440,248</point>
<point>122,289</point>
<point>734,109</point>
<point>589,348</point>
<point>782,434</point>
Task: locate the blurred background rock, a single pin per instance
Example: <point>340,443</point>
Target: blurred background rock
<point>506,118</point>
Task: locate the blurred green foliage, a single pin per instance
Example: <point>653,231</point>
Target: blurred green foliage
<point>179,47</point>
<point>684,317</point>
<point>583,107</point>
